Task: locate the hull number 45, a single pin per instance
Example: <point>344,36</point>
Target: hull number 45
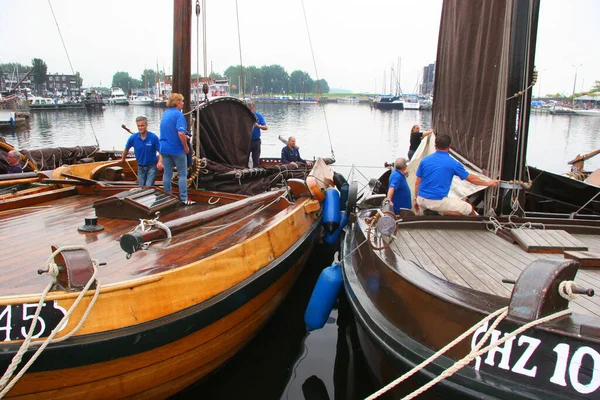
<point>15,320</point>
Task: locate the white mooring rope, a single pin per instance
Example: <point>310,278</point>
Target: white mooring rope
<point>5,385</point>
<point>564,290</point>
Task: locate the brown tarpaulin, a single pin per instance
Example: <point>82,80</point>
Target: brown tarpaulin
<point>467,74</point>
<point>225,132</point>
<point>50,158</point>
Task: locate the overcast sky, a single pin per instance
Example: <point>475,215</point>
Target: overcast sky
<point>354,42</point>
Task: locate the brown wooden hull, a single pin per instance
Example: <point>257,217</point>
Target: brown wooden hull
<point>162,371</point>
<point>405,314</point>
<point>165,317</point>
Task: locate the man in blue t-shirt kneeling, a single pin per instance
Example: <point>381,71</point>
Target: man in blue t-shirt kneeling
<point>399,193</point>
<point>434,177</point>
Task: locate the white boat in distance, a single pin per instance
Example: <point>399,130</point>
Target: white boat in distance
<point>140,100</point>
<point>216,88</point>
<point>117,96</point>
<point>347,99</point>
<point>588,113</point>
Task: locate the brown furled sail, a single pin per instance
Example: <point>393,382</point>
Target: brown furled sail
<point>475,84</point>
<point>467,73</point>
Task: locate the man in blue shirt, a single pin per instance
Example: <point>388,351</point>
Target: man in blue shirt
<point>434,177</point>
<point>173,146</point>
<point>399,193</point>
<point>290,154</point>
<point>260,125</point>
<point>146,147</point>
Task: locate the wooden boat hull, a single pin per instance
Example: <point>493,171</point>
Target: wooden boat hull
<point>162,356</point>
<point>404,315</point>
<point>154,335</point>
<point>553,193</point>
<point>382,105</point>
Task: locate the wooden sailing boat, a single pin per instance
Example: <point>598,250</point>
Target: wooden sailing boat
<point>417,284</point>
<point>144,296</point>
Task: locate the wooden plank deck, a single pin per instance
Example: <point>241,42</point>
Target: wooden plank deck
<point>546,241</point>
<point>480,260</point>
<point>587,259</point>
<point>28,234</point>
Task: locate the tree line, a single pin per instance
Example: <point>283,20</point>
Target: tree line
<point>274,79</point>
<point>271,79</point>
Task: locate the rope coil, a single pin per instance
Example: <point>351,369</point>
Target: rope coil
<point>5,382</point>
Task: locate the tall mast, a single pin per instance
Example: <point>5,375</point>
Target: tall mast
<point>182,50</point>
<point>521,64</point>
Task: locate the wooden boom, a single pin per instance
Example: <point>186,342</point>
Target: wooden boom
<point>584,157</point>
<point>132,241</point>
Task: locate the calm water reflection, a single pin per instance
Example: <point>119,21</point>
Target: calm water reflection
<point>359,135</point>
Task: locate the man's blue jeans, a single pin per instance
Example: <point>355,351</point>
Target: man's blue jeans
<point>179,161</point>
<point>147,174</point>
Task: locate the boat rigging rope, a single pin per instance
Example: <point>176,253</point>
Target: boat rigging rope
<point>497,225</point>
<point>146,225</point>
<point>197,108</point>
<point>317,76</point>
<point>492,196</point>
<point>242,80</point>
<point>522,117</point>
<point>5,385</point>
<point>61,38</point>
<point>129,165</point>
<point>224,226</point>
<point>475,352</point>
<point>71,65</point>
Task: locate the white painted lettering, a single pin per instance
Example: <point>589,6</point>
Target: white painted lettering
<point>7,313</point>
<point>64,312</point>
<point>482,329</point>
<point>30,309</point>
<point>560,369</point>
<point>575,366</point>
<point>519,367</point>
<point>504,351</point>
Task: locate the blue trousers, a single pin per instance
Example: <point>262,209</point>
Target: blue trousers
<point>147,174</point>
<point>255,150</point>
<point>179,161</point>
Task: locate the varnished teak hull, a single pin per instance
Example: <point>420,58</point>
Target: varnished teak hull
<point>404,314</point>
<point>189,310</point>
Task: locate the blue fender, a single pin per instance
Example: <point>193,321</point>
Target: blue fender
<point>331,238</point>
<point>331,210</point>
<point>323,297</point>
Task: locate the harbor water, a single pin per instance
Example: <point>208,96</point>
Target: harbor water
<point>285,361</point>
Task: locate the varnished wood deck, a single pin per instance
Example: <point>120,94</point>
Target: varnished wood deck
<point>480,260</point>
<point>27,235</point>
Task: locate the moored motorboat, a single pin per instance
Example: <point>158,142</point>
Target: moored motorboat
<point>117,96</point>
<point>140,100</point>
<point>587,113</point>
<point>388,103</point>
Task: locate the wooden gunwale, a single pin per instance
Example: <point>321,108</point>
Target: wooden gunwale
<point>439,293</point>
<point>176,364</point>
<point>36,198</point>
<point>214,273</point>
<point>405,314</point>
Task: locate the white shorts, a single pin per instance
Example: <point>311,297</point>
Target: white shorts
<point>445,205</point>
